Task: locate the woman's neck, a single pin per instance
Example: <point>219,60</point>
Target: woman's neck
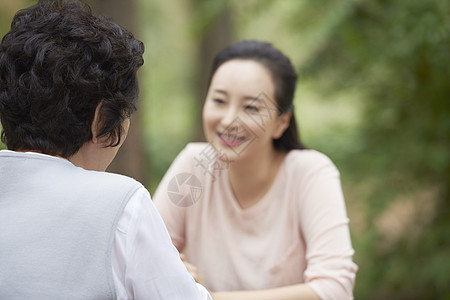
<point>251,178</point>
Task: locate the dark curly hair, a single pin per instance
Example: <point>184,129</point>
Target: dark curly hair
<point>57,64</point>
<point>283,76</point>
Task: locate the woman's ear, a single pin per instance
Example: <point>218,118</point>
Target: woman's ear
<point>282,124</point>
<point>96,124</point>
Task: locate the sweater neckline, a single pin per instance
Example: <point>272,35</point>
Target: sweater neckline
<point>266,199</point>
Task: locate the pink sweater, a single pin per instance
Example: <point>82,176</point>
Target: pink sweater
<point>297,233</point>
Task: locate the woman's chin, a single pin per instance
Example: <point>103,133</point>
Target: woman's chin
<point>231,153</point>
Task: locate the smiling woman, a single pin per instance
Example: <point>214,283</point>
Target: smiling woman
<point>240,91</point>
<point>271,221</point>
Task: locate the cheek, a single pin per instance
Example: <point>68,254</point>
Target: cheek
<point>208,121</point>
<point>260,128</point>
<point>205,115</point>
<point>259,124</point>
<point>209,124</point>
<point>210,115</point>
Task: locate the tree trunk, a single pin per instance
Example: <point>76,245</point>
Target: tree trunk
<point>214,39</point>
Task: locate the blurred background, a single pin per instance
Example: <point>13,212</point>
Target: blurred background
<point>373,94</point>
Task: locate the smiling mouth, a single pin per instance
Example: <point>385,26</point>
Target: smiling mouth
<point>231,140</point>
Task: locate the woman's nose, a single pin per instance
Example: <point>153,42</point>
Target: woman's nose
<point>229,117</point>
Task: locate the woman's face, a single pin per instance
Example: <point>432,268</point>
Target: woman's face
<point>240,115</point>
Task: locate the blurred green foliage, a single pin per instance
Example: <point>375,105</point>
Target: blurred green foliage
<point>396,55</point>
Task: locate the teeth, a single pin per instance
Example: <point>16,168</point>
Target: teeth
<point>231,137</point>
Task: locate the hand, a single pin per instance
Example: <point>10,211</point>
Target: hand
<point>191,269</point>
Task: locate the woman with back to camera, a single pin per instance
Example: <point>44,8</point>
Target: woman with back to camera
<point>266,217</point>
<point>69,230</point>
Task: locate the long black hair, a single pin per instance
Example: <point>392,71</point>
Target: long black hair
<point>283,76</point>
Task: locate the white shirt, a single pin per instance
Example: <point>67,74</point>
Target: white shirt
<point>145,263</point>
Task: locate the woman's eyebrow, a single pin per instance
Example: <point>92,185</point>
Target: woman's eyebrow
<point>246,97</point>
<point>252,98</point>
<point>221,91</point>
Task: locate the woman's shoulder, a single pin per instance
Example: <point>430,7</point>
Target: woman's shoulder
<point>194,156</point>
<point>307,156</point>
<point>308,161</point>
<point>194,150</point>
<point>107,180</point>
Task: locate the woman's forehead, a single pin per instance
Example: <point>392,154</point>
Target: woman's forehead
<point>246,77</point>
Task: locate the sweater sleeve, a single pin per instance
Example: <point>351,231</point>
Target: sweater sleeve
<point>330,270</point>
<point>166,197</point>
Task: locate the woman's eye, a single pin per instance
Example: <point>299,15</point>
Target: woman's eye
<point>251,108</point>
<point>218,101</point>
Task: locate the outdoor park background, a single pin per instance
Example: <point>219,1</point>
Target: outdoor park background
<point>373,94</point>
